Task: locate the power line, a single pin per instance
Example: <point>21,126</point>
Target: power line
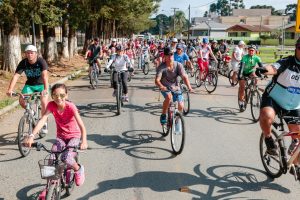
<point>205,4</point>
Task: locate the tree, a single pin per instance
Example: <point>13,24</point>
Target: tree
<point>291,10</point>
<point>225,7</point>
<point>180,21</point>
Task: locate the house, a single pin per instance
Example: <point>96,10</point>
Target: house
<point>209,29</point>
<point>248,31</point>
<point>289,31</point>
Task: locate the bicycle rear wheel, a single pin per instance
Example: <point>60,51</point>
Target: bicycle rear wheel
<point>232,83</point>
<point>198,78</point>
<point>271,163</point>
<point>24,129</point>
<point>94,80</point>
<point>54,191</point>
<point>255,103</point>
<point>211,82</point>
<point>146,68</point>
<point>186,99</point>
<point>177,134</point>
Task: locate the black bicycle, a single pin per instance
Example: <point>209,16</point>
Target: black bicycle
<point>144,64</point>
<point>59,177</point>
<point>94,74</point>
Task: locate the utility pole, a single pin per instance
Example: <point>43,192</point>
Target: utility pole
<point>174,18</point>
<point>189,23</point>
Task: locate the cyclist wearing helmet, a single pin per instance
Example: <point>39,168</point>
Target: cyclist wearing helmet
<point>181,57</point>
<point>120,62</point>
<point>203,56</point>
<point>247,69</point>
<point>281,96</point>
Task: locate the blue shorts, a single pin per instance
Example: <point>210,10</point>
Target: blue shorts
<point>177,96</point>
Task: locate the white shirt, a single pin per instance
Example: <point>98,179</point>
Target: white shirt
<point>119,62</point>
<point>239,52</point>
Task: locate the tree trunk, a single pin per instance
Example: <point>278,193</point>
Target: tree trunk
<point>38,38</point>
<point>65,45</point>
<point>11,46</point>
<point>50,52</point>
<point>72,42</point>
<point>88,36</point>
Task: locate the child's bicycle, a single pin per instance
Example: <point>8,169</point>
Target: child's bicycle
<point>280,162</point>
<point>175,125</point>
<point>29,119</point>
<point>59,177</point>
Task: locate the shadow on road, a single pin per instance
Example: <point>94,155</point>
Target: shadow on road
<point>98,110</point>
<point>130,142</point>
<point>24,193</point>
<point>223,182</point>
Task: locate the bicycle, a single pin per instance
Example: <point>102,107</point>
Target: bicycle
<point>144,64</point>
<point>231,81</point>
<point>276,165</point>
<point>252,94</point>
<point>59,177</point>
<point>209,79</point>
<point>119,90</point>
<point>29,119</point>
<point>94,74</point>
<point>175,126</point>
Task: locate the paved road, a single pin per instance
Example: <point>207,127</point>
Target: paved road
<point>129,159</point>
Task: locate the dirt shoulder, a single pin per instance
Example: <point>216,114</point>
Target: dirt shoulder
<point>56,72</point>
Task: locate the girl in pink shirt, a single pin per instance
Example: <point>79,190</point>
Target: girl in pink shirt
<point>70,129</point>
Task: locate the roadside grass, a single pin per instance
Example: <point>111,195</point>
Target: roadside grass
<point>6,102</point>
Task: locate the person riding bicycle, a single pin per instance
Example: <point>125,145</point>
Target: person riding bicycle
<point>93,55</point>
<point>282,95</point>
<point>35,69</point>
<point>223,48</point>
<point>191,52</point>
<point>237,54</point>
<point>173,45</point>
<point>120,62</point>
<point>247,69</point>
<point>203,56</point>
<point>70,130</point>
<point>181,57</point>
<point>145,51</point>
<point>166,78</point>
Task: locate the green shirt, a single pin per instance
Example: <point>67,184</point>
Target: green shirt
<point>249,63</point>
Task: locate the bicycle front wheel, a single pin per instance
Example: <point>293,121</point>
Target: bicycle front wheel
<point>255,103</point>
<point>118,99</point>
<point>24,129</point>
<point>53,191</point>
<point>177,134</point>
<point>271,163</point>
<point>198,78</point>
<point>186,99</point>
<point>146,68</point>
<point>211,82</point>
<point>94,80</point>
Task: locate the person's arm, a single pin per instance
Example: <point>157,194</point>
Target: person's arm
<point>84,144</point>
<point>158,82</point>
<point>187,82</point>
<point>29,140</point>
<point>45,81</point>
<point>12,84</point>
<point>109,63</point>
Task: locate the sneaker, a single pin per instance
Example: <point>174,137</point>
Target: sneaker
<point>293,146</point>
<point>232,84</point>
<point>114,94</point>
<point>79,176</point>
<point>42,195</point>
<point>163,118</point>
<point>44,130</point>
<point>271,146</point>
<point>242,106</point>
<point>125,98</point>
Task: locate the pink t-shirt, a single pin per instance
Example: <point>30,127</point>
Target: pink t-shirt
<point>66,124</point>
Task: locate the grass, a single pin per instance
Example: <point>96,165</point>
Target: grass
<point>6,102</point>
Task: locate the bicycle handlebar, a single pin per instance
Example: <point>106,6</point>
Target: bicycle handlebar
<point>40,146</point>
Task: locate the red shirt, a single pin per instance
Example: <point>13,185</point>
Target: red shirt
<point>66,124</point>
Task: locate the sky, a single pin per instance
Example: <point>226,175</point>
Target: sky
<point>198,7</point>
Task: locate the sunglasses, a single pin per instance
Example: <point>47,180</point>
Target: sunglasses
<point>56,96</point>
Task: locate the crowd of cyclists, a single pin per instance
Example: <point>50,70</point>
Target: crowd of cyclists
<point>170,58</point>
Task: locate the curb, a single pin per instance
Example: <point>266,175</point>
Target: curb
<point>16,103</point>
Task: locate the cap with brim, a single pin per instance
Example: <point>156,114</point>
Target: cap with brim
<point>179,47</point>
<point>31,48</point>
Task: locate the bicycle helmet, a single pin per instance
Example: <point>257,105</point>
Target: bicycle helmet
<point>205,40</point>
<point>252,46</point>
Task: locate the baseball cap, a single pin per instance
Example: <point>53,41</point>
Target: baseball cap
<point>241,42</point>
<point>168,51</point>
<point>174,40</point>
<point>31,48</point>
<point>205,40</point>
<point>114,40</point>
<point>214,41</point>
<point>119,48</point>
<point>179,46</point>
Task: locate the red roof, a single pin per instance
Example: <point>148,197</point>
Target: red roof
<point>252,28</point>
